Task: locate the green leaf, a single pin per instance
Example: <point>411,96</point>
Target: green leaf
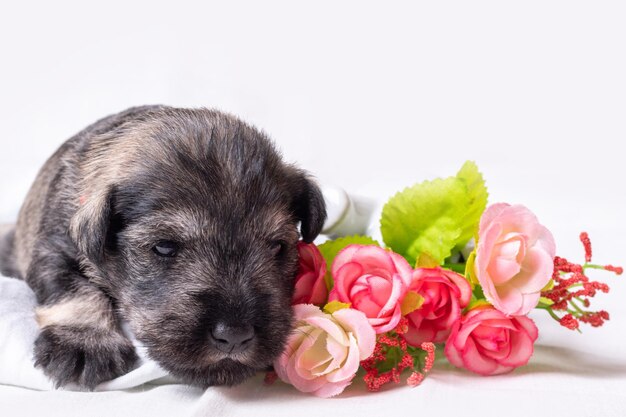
<point>476,201</point>
<point>425,222</point>
<point>331,248</point>
<point>412,301</point>
<point>423,219</point>
<point>333,306</point>
<point>478,293</point>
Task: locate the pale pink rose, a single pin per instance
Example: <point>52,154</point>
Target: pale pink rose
<point>487,342</point>
<point>324,351</point>
<point>445,294</point>
<point>514,258</point>
<point>310,285</point>
<point>374,281</point>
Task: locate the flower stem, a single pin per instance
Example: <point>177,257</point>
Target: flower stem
<point>552,313</point>
<point>576,307</point>
<point>593,266</point>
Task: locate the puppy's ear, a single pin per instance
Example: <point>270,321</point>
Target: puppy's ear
<point>309,207</point>
<point>90,224</point>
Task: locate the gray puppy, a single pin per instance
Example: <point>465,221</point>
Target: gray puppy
<point>182,223</point>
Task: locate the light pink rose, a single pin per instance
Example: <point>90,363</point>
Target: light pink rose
<point>325,350</point>
<point>374,281</point>
<point>487,342</point>
<point>514,258</point>
<point>310,285</point>
<point>445,294</point>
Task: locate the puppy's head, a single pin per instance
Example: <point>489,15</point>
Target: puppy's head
<point>192,219</point>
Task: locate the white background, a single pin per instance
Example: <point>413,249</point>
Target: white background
<point>368,96</point>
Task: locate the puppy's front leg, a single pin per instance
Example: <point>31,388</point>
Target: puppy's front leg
<point>81,341</point>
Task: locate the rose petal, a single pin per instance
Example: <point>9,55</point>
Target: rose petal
<point>463,286</point>
<point>329,327</point>
<point>373,258</point>
<point>451,351</point>
<point>355,322</point>
<point>303,287</point>
<point>546,241</point>
<point>402,267</point>
<point>398,290</point>
<point>521,350</point>
<point>491,213</point>
<point>521,220</point>
<point>337,353</point>
<point>508,299</point>
<point>496,354</point>
<point>349,367</point>
<point>391,322</point>
<point>380,289</point>
<point>528,326</point>
<point>476,362</point>
<point>480,314</point>
<point>503,322</point>
<point>535,273</point>
<point>416,337</point>
<point>317,359</point>
<point>345,276</point>
<point>300,355</point>
<point>363,303</point>
<point>343,257</point>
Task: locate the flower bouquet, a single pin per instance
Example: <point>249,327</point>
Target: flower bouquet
<point>451,270</point>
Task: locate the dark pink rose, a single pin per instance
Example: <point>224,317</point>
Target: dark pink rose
<point>487,342</point>
<point>373,280</point>
<point>310,285</point>
<point>445,294</point>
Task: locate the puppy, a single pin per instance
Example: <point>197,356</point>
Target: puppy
<point>182,223</point>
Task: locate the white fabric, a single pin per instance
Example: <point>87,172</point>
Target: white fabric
<point>18,331</point>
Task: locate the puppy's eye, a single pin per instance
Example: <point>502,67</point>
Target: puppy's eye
<point>278,247</point>
<point>166,248</point>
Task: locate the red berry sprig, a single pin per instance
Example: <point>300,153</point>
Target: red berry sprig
<point>392,355</point>
<point>572,290</point>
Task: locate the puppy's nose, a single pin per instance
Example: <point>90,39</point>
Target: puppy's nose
<point>232,339</point>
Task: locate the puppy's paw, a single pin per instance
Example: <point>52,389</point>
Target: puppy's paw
<point>83,355</point>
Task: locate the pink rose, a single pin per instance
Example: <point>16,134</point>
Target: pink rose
<point>325,350</point>
<point>310,285</point>
<point>374,281</point>
<point>514,258</point>
<point>487,342</point>
<point>445,294</point>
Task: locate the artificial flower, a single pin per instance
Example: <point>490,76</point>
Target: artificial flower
<point>445,294</point>
<point>514,258</point>
<point>487,342</point>
<point>374,281</point>
<point>324,351</point>
<point>310,285</point>
<point>571,290</point>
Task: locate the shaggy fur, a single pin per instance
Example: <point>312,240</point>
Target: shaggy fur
<point>86,239</point>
